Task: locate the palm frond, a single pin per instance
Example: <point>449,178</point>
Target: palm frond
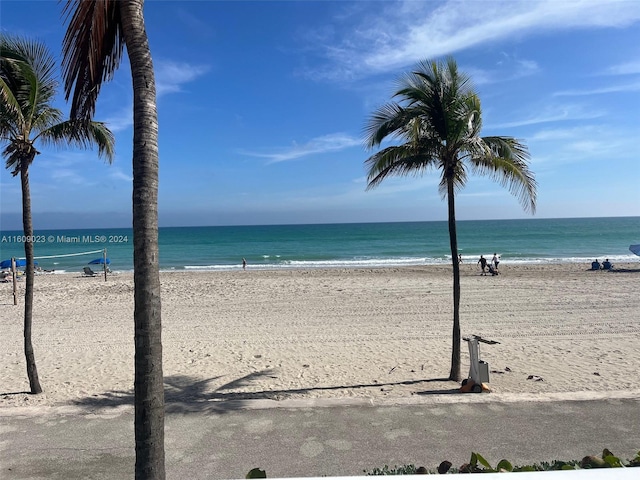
<point>36,65</point>
<point>81,134</point>
<point>36,54</point>
<point>387,121</point>
<point>46,117</point>
<point>91,52</point>
<point>29,84</point>
<point>400,160</point>
<point>508,165</point>
<point>456,172</point>
<point>10,81</point>
<point>10,111</point>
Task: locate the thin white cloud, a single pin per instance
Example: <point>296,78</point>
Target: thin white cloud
<point>68,177</point>
<point>170,75</point>
<point>120,120</point>
<point>410,183</point>
<point>628,68</point>
<point>562,134</point>
<point>352,194</point>
<point>580,144</point>
<point>553,113</point>
<point>61,159</point>
<point>327,143</point>
<point>629,87</point>
<point>492,193</point>
<point>118,174</point>
<point>11,186</point>
<point>359,180</point>
<point>391,35</point>
<point>507,70</point>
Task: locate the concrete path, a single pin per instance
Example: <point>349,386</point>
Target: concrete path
<point>223,441</point>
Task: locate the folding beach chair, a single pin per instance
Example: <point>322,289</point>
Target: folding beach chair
<point>88,272</point>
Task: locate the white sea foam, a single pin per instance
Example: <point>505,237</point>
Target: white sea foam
<point>400,262</point>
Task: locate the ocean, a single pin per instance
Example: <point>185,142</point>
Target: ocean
<point>568,240</point>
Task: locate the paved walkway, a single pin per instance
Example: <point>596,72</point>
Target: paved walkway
<point>223,441</point>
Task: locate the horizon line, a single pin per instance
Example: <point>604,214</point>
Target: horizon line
<point>329,223</point>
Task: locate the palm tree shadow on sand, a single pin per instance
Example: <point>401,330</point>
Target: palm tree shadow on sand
<point>184,394</point>
<point>624,270</point>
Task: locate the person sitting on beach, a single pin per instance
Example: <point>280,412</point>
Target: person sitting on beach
<point>483,264</point>
<point>606,265</point>
<point>492,270</point>
<point>595,265</point>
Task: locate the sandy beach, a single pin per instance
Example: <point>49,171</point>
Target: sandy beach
<point>324,334</point>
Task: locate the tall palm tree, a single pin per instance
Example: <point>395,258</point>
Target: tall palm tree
<point>439,119</point>
<point>92,49</point>
<point>27,88</point>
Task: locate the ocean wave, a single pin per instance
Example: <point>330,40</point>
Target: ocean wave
<point>402,262</point>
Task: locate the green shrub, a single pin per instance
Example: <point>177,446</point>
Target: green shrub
<point>478,464</point>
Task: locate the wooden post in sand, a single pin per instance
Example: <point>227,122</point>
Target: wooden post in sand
<point>104,263</point>
<point>15,281</point>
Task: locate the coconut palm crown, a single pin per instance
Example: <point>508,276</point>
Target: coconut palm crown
<point>28,87</point>
<point>437,120</point>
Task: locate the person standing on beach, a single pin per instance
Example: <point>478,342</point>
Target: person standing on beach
<point>495,260</point>
<point>483,263</point>
<point>244,263</point>
<point>460,258</point>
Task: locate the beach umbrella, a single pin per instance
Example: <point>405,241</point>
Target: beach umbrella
<point>20,262</point>
<point>635,249</point>
<point>99,261</point>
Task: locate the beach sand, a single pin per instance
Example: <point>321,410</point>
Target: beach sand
<point>370,334</point>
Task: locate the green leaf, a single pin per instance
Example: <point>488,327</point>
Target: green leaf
<point>504,465</point>
<point>526,468</point>
<point>483,461</point>
<point>612,460</point>
<point>256,473</point>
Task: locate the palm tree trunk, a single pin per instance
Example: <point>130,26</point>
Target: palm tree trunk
<point>453,241</point>
<point>27,225</point>
<point>149,387</point>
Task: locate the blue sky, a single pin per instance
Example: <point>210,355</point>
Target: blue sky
<point>262,107</point>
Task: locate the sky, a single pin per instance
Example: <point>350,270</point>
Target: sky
<point>262,107</point>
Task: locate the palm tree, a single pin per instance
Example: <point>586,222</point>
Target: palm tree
<point>439,119</point>
<point>92,49</point>
<point>27,88</point>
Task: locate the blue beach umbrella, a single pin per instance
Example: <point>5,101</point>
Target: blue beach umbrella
<point>99,261</point>
<point>20,262</point>
<point>635,249</point>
